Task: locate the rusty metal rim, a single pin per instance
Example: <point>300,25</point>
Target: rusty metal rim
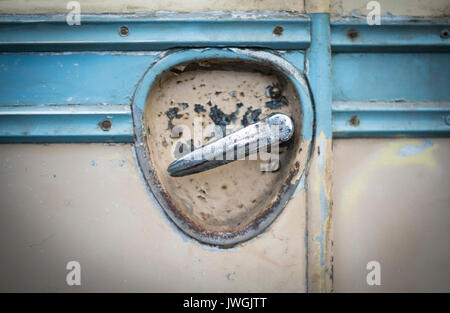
<point>259,224</point>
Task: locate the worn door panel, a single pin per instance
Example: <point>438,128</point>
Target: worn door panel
<point>87,202</point>
<point>391,205</point>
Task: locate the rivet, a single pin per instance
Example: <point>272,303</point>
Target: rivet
<point>352,34</point>
<point>354,121</point>
<point>278,30</point>
<point>105,125</point>
<point>124,31</point>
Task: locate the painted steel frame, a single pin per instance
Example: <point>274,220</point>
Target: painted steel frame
<point>28,37</point>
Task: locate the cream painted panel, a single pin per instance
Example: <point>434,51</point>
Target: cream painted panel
<point>132,6</point>
<point>338,7</point>
<point>87,202</point>
<point>394,7</point>
<point>392,205</point>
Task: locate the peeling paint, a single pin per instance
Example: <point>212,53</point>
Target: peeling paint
<point>399,153</point>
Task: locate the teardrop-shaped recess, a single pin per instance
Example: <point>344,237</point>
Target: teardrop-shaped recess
<point>190,103</point>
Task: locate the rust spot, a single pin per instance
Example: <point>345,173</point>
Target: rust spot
<point>193,227</point>
<point>278,31</point>
<point>352,34</point>
<point>354,121</point>
<point>105,125</point>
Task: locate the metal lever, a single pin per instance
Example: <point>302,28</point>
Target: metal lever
<point>272,130</point>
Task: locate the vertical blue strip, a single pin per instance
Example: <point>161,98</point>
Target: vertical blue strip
<point>319,74</point>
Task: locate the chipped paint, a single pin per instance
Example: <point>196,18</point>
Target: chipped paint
<point>399,153</point>
<point>319,217</point>
<point>275,206</point>
<point>319,183</point>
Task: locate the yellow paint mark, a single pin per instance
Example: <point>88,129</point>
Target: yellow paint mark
<point>390,156</point>
<point>322,183</point>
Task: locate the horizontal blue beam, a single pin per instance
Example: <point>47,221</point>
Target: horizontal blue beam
<point>71,78</point>
<point>393,35</point>
<point>40,33</point>
<point>75,123</point>
<point>355,119</point>
<point>378,88</point>
<point>66,123</point>
<point>153,32</point>
<point>391,77</point>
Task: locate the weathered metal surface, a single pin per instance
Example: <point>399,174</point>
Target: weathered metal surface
<point>391,205</point>
<point>393,35</point>
<point>391,119</point>
<point>411,97</point>
<point>271,210</point>
<point>154,32</point>
<point>69,78</point>
<point>391,77</point>
<point>66,123</point>
<point>318,182</point>
<point>87,202</point>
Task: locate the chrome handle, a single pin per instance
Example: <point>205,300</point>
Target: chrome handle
<point>269,132</point>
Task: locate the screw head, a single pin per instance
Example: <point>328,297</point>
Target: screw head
<point>278,31</point>
<point>445,33</point>
<point>354,121</point>
<point>352,34</point>
<point>124,31</point>
<point>105,125</point>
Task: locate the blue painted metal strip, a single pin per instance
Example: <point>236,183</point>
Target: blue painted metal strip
<point>71,78</point>
<point>91,78</point>
<point>68,123</point>
<point>101,33</point>
<point>319,74</point>
<point>355,119</point>
<point>160,32</point>
<point>391,77</point>
<point>393,35</point>
<point>319,275</point>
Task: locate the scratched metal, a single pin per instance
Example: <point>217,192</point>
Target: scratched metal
<point>285,189</point>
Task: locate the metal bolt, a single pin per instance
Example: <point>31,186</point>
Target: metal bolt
<point>354,121</point>
<point>124,31</point>
<point>278,31</point>
<point>352,34</point>
<point>445,33</point>
<point>105,125</point>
